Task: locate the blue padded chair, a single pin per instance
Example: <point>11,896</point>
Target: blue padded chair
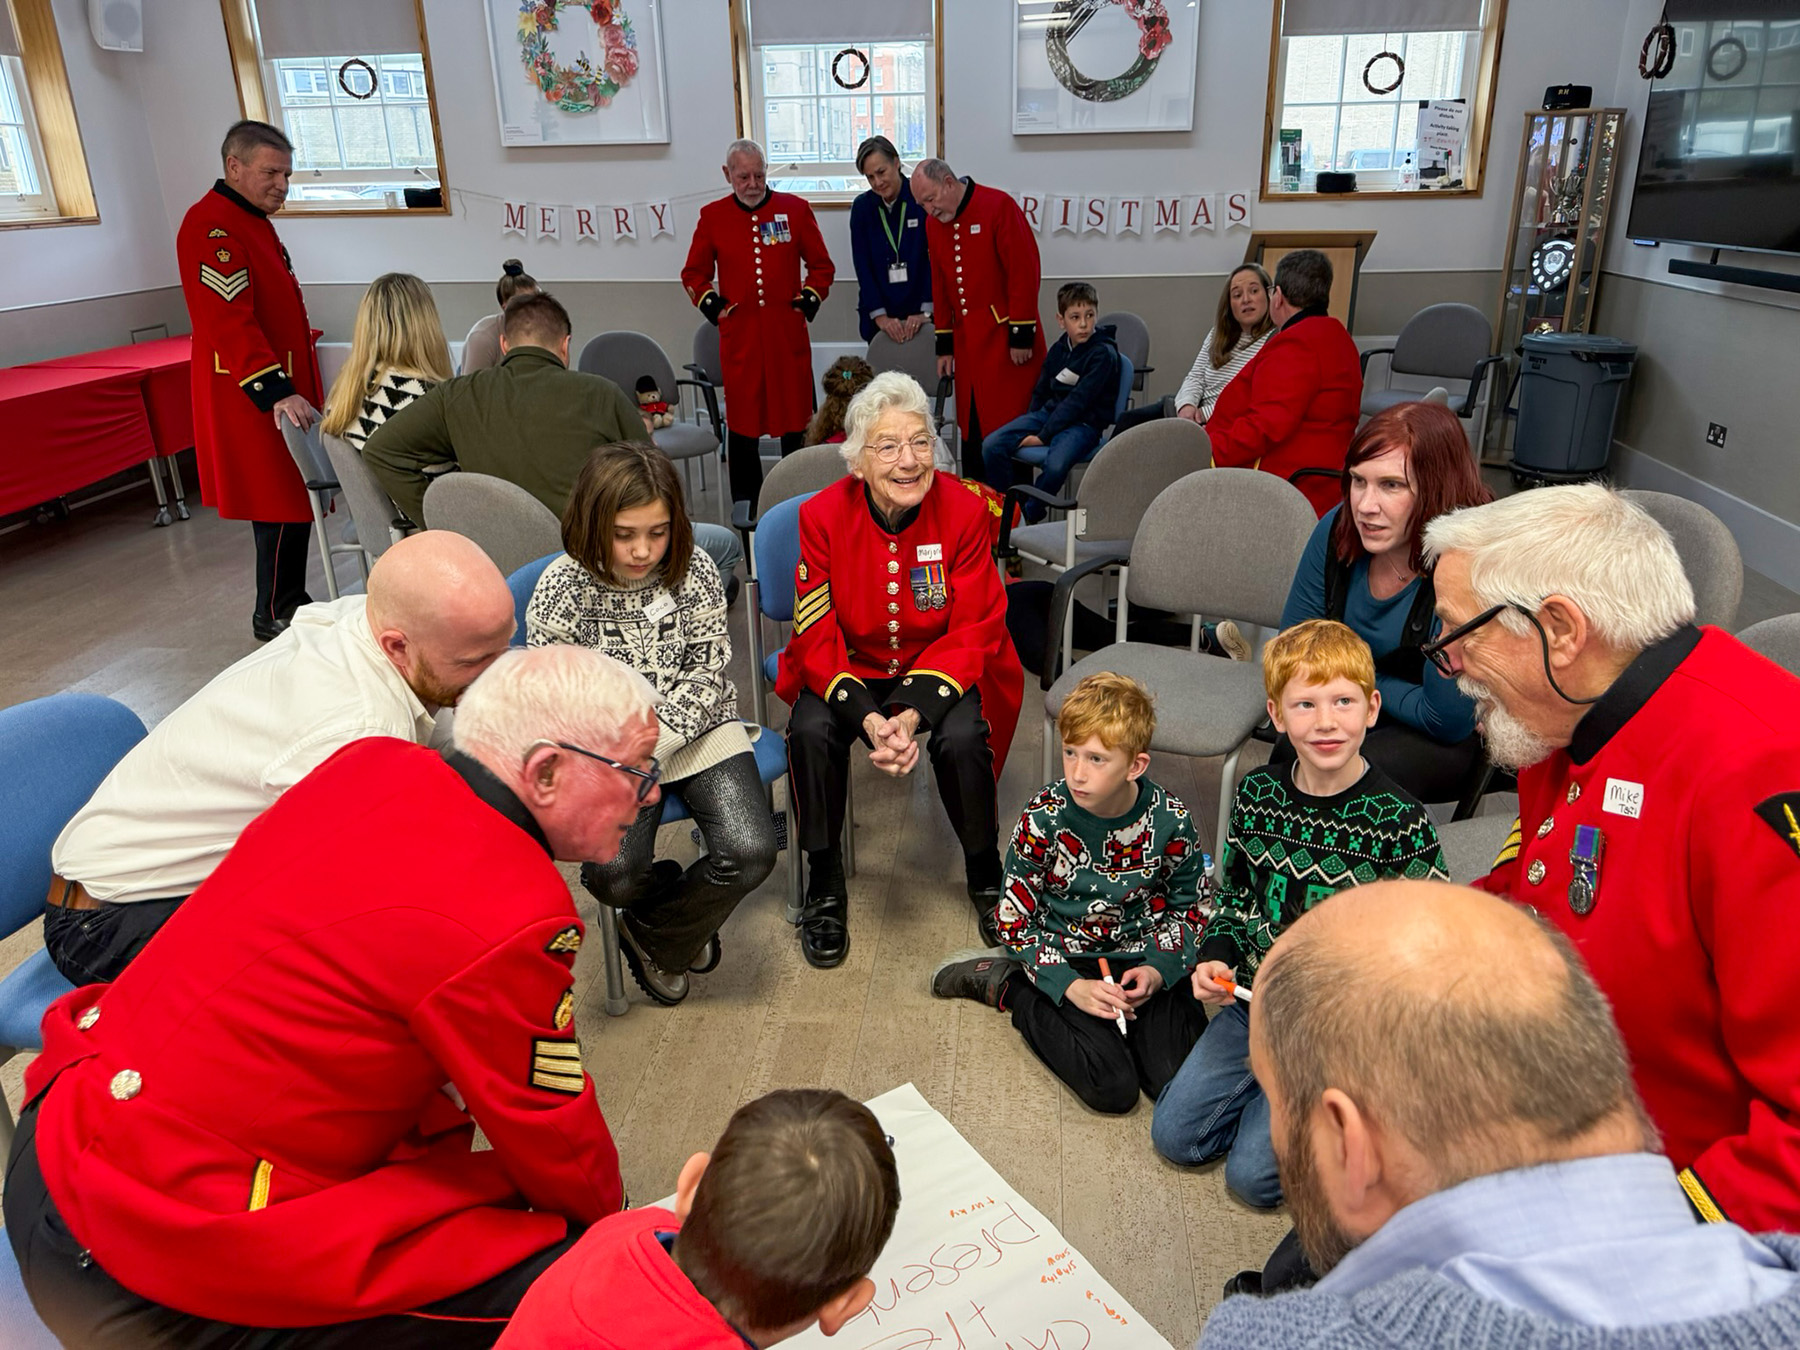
<point>771,766</point>
<point>53,753</point>
<point>1034,454</point>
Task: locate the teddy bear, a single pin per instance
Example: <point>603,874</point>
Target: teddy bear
<point>652,404</point>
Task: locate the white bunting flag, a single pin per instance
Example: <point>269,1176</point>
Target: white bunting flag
<point>548,221</point>
<point>622,221</point>
<point>517,213</point>
<point>1034,206</point>
<point>1096,215</point>
<point>1165,214</point>
<point>1237,211</point>
<point>1065,214</point>
<point>1202,213</point>
<point>1128,215</point>
<point>585,228</point>
<point>660,219</point>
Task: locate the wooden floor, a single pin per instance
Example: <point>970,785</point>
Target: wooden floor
<point>104,603</point>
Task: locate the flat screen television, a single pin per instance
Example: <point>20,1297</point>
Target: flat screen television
<point>1720,160</point>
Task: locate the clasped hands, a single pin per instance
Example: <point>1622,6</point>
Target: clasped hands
<point>1100,999</point>
<point>900,330</point>
<point>894,751</point>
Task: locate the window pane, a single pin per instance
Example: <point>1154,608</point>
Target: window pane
<point>314,134</point>
<point>1359,49</point>
<point>409,132</point>
<point>788,70</point>
<point>791,128</point>
<point>1366,137</point>
<point>364,132</point>
<point>1782,65</point>
<point>16,170</point>
<point>1313,67</point>
<point>1318,128</point>
<point>1434,66</point>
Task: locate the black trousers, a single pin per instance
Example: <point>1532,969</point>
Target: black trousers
<point>1428,769</point>
<point>728,805</point>
<point>745,454</point>
<point>1145,412</point>
<point>91,946</point>
<point>281,552</point>
<point>961,758</point>
<point>88,1309</point>
<point>1103,1068</point>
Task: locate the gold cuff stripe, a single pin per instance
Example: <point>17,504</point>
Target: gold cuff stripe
<point>259,1184</point>
<point>831,688</point>
<point>556,1066</point>
<point>938,675</point>
<point>229,286</point>
<point>1701,1199</point>
<point>257,375</point>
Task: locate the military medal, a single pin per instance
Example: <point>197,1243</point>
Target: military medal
<point>1585,857</point>
<point>921,589</point>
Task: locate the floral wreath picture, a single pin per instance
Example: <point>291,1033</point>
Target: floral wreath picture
<point>1152,19</point>
<point>578,88</point>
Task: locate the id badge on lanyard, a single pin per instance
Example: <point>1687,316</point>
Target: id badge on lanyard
<point>897,269</point>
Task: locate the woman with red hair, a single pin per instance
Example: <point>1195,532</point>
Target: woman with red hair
<point>1364,567</point>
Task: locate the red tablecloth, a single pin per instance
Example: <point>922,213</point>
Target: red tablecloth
<point>62,428</point>
<point>162,366</point>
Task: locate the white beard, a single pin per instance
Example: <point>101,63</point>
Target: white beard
<point>1510,743</point>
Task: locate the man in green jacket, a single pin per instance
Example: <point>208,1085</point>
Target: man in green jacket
<point>530,420</point>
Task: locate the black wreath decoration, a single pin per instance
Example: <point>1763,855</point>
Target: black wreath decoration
<point>1399,73</point>
<point>1658,65</point>
<point>867,69</point>
<point>1152,19</point>
<point>344,84</point>
<point>1726,44</point>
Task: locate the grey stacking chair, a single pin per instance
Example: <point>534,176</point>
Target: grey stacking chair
<point>379,523</point>
<point>511,526</point>
<point>918,359</point>
<point>1709,554</point>
<point>624,358</point>
<point>1223,543</point>
<point>1448,344</point>
<point>1778,639</point>
<point>1132,337</point>
<point>321,490</point>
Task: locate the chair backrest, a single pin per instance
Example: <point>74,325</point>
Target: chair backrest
<point>776,550</point>
<point>706,353</point>
<point>522,583</point>
<point>804,472</point>
<point>1133,467</point>
<point>1709,554</point>
<point>371,508</point>
<point>624,358</point>
<point>511,526</point>
<point>309,455</point>
<point>1131,334</point>
<point>53,753</point>
<point>917,358</point>
<point>1127,373</point>
<point>1222,542</point>
<point>1778,639</point>
<point>1446,339</point>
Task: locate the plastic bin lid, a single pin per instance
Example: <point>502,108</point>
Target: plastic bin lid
<point>1580,344</point>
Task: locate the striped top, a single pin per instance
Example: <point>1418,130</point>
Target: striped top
<point>1205,381</point>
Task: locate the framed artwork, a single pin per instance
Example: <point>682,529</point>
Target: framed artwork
<point>1103,65</point>
<point>579,72</point>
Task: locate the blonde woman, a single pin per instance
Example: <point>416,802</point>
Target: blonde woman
<point>397,352</point>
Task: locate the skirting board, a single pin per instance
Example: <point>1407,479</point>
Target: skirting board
<point>1770,545</point>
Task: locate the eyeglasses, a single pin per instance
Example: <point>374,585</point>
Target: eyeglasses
<point>1434,651</point>
<point>647,778</point>
<point>889,451</point>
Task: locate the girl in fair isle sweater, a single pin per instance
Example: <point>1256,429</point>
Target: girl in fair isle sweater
<point>631,584</point>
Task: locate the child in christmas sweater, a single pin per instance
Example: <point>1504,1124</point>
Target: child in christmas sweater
<point>1104,875</point>
<point>1299,834</point>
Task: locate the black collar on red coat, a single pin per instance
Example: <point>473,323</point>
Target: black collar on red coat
<point>1311,312</point>
<point>968,197</point>
<point>487,786</point>
<point>1630,692</point>
<point>907,516</point>
<point>238,199</point>
<point>747,210</point>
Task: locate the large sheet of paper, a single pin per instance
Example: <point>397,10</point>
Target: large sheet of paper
<point>971,1265</point>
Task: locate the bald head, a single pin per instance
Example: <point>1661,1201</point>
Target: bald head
<point>441,612</point>
<point>937,189</point>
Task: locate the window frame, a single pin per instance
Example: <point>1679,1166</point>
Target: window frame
<point>48,105</point>
<point>743,81</point>
<point>248,67</point>
<point>1481,122</point>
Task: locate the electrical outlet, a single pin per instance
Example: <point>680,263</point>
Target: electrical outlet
<point>1715,435</point>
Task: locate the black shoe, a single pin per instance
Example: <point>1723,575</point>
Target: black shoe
<point>1244,1282</point>
<point>976,975</point>
<point>732,586</point>
<point>665,987</point>
<point>267,630</point>
<point>710,956</point>
<point>825,919</point>
<point>986,900</point>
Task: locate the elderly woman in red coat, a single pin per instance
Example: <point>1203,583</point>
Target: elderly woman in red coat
<point>899,628</point>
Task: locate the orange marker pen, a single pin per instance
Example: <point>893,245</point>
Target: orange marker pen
<point>1232,987</point>
<point>1106,975</point>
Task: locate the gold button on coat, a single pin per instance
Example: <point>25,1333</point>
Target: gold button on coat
<point>126,1084</point>
<point>1535,873</point>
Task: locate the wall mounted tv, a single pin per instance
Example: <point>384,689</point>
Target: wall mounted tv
<point>1720,160</point>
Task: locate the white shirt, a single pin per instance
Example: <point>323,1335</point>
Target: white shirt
<point>169,812</point>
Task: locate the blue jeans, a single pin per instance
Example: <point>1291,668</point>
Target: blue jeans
<point>720,544</point>
<point>1213,1106</point>
<point>1063,452</point>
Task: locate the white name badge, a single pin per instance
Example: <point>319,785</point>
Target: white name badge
<point>931,553</point>
<point>1623,799</point>
<point>1067,376</point>
<point>897,274</point>
<point>974,229</point>
<point>660,608</point>
<point>912,222</point>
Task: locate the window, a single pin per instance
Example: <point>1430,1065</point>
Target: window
<point>43,173</point>
<point>807,121</point>
<point>349,81</point>
<point>1331,107</point>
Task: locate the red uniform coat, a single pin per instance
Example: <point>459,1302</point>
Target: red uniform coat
<point>618,1289</point>
<point>1690,768</point>
<point>253,347</point>
<point>252,1124</point>
<point>763,260</point>
<point>879,621</point>
<point>984,297</point>
<point>1295,406</point>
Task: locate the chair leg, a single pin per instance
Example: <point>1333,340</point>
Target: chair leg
<point>324,542</point>
<point>613,961</point>
<point>1227,790</point>
<point>795,896</point>
<point>849,846</point>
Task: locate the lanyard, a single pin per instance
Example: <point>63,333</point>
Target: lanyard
<point>887,229</point>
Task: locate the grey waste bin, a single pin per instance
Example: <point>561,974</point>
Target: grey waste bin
<point>1569,387</point>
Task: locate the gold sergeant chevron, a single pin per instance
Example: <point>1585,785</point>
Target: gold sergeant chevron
<point>229,286</point>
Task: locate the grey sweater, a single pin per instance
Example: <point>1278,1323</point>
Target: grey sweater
<point>1419,1309</point>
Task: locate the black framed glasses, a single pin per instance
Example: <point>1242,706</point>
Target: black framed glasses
<point>1433,651</point>
<point>647,778</point>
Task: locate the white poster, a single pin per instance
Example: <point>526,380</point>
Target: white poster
<point>1103,67</point>
<point>971,1264</point>
<point>579,74</point>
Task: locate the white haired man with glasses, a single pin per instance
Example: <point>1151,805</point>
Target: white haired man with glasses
<point>1659,815</point>
<point>266,1121</point>
<point>899,628</point>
